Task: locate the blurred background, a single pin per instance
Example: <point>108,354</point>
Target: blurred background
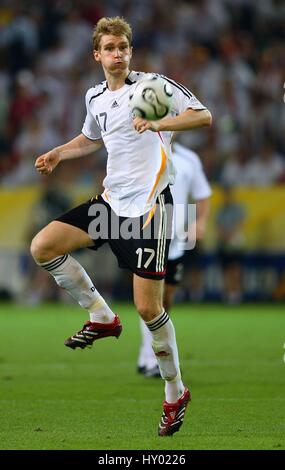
<point>230,53</point>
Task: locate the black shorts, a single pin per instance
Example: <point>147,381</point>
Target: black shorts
<point>175,270</point>
<point>140,244</point>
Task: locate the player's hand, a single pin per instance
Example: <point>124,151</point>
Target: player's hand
<point>142,125</point>
<point>197,230</point>
<point>46,163</point>
<point>200,229</point>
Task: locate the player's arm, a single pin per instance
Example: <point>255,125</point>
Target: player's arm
<point>197,229</point>
<point>189,119</point>
<point>78,147</point>
<point>203,209</point>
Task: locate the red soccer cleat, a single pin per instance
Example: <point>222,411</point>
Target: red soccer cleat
<point>93,331</point>
<point>173,415</point>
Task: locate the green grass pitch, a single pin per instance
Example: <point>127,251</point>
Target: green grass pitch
<point>52,397</point>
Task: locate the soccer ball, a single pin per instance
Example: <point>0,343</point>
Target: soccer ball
<point>151,98</point>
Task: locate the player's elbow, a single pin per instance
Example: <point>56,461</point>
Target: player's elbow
<point>207,118</point>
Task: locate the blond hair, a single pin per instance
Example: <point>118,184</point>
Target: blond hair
<point>117,26</point>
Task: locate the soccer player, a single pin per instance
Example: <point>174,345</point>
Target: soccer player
<point>137,193</point>
<point>190,181</point>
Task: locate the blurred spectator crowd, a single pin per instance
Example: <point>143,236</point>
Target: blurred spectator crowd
<point>230,53</point>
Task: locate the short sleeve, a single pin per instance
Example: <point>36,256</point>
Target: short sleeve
<point>183,98</point>
<point>90,128</point>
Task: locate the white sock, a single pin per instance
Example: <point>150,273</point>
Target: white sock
<point>165,349</point>
<point>72,277</point>
<point>174,389</point>
<point>99,312</point>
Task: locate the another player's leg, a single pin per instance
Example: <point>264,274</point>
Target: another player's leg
<point>174,275</point>
<point>50,249</point>
<point>147,362</point>
<point>168,296</point>
<point>148,295</point>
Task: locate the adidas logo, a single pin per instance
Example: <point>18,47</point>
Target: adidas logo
<point>115,104</point>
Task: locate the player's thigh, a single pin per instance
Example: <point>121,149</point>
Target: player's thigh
<point>148,296</point>
<point>58,238</point>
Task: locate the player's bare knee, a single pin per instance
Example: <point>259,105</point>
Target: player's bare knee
<point>36,249</point>
<point>148,312</point>
<point>40,250</point>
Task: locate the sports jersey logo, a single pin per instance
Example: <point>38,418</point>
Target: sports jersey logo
<point>115,104</point>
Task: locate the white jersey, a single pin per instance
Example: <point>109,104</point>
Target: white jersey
<point>190,181</point>
<point>139,166</point>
